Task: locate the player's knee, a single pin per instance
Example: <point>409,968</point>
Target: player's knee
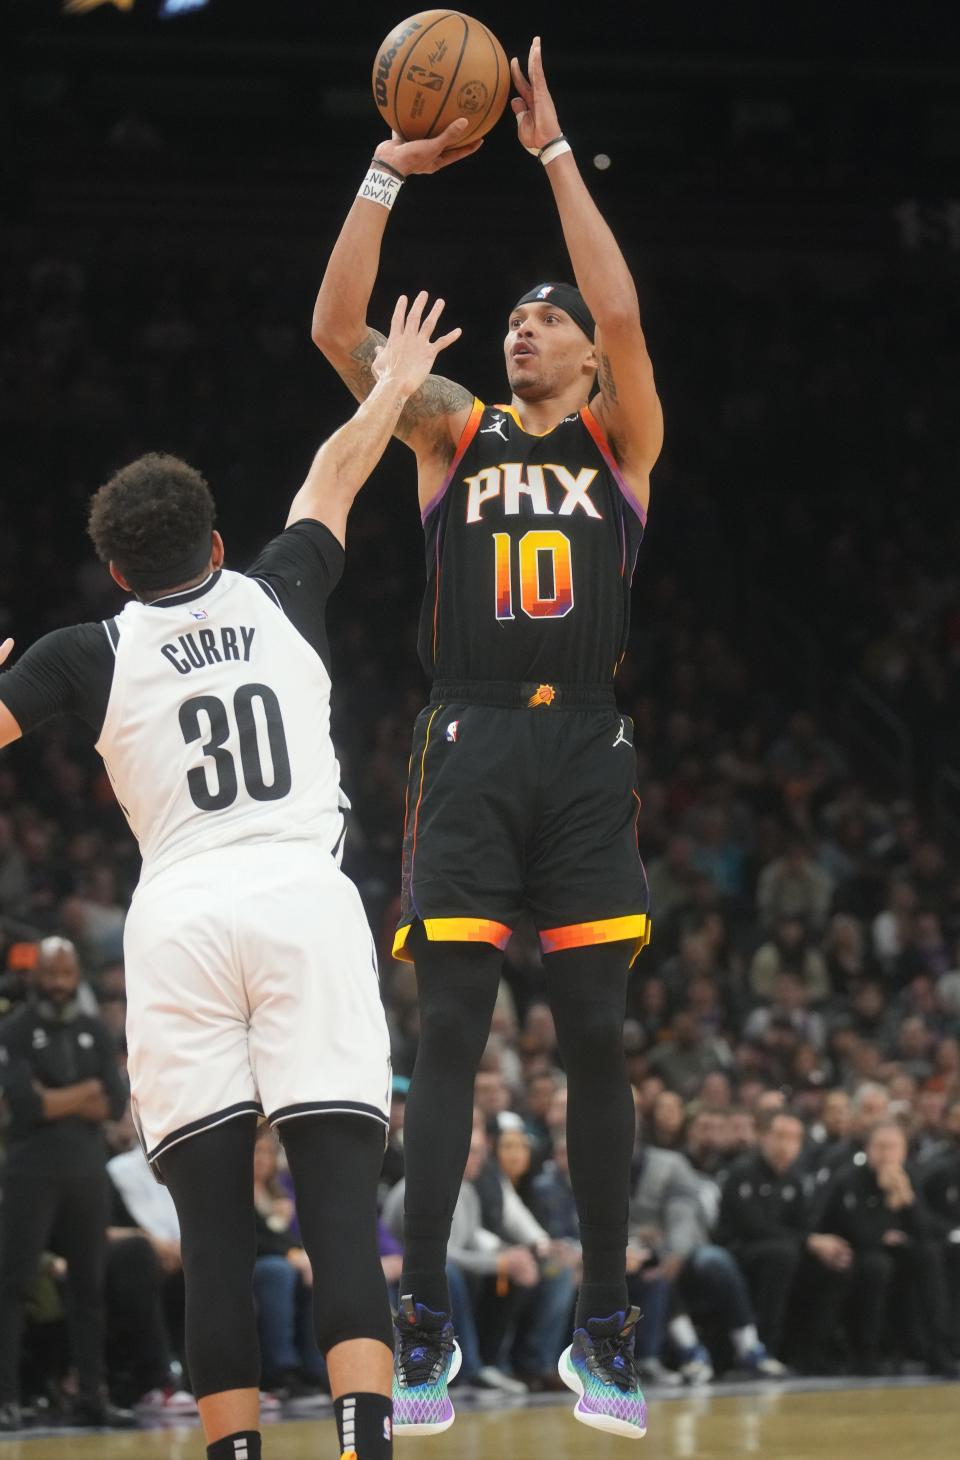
<point>591,1038</point>
<point>454,1029</point>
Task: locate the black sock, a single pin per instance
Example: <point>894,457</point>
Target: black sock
<point>603,1291</point>
<point>365,1425</point>
<point>244,1445</point>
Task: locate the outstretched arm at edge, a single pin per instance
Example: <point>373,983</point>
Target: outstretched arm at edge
<point>9,729</point>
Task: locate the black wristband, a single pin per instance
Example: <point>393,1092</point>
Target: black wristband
<point>379,162</point>
<point>560,138</point>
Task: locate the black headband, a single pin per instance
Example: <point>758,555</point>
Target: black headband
<point>567,298</point>
<point>173,574</point>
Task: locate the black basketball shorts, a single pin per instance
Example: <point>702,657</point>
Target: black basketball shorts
<point>523,797</point>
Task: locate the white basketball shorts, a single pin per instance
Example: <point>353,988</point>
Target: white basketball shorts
<point>252,986</point>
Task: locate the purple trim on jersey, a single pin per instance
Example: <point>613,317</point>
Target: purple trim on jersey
<point>466,436</point>
<point>603,446</point>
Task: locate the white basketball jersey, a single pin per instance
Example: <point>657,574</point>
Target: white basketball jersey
<point>217,730</point>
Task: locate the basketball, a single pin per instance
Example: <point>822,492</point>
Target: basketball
<point>435,67</point>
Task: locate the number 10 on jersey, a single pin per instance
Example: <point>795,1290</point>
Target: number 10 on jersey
<point>545,574</point>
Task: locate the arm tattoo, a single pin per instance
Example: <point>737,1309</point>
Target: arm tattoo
<point>437,396</point>
<point>607,383</point>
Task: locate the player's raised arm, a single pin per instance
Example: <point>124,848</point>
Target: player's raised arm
<point>435,414</point>
<point>398,367</point>
<point>9,729</point>
<point>627,404</point>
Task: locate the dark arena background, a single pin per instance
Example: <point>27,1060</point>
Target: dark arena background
<point>785,183</point>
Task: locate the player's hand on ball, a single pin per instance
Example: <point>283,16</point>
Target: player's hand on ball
<point>6,649</point>
<point>534,109</point>
<point>407,357</point>
<point>429,155</point>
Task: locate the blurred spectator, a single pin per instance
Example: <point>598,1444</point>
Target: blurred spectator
<point>689,1055</point>
<point>765,1221</point>
<point>793,886</point>
<point>667,1220</point>
<point>896,1277</point>
<point>59,1078</point>
<point>789,951</point>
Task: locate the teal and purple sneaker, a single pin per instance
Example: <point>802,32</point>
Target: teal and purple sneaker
<point>600,1366</point>
<point>426,1359</point>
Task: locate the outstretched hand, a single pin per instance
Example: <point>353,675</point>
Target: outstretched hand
<point>431,153</point>
<point>407,357</point>
<point>534,109</point>
<point>6,649</point>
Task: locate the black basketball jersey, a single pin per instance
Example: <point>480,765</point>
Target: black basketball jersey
<point>531,546</point>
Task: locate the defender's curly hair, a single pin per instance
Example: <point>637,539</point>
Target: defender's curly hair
<point>151,517</point>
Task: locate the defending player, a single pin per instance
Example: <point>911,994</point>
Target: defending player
<point>251,976</point>
<point>522,785</point>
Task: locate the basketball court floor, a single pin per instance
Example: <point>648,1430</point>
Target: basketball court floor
<point>907,1421</point>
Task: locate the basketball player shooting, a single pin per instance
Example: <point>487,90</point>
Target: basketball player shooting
<point>522,783</point>
<point>251,975</point>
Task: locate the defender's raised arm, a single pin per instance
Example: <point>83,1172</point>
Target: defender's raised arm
<point>398,368</point>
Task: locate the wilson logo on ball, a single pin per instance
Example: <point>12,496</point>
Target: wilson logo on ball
<point>386,59</point>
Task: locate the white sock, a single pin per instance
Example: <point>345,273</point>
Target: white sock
<point>683,1332</point>
<point>745,1339</point>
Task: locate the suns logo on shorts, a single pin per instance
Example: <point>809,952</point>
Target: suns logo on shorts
<point>453,730</point>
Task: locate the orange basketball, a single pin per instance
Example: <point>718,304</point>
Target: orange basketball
<point>435,67</point>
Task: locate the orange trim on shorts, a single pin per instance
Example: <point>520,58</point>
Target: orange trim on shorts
<point>634,928</point>
<point>453,930</point>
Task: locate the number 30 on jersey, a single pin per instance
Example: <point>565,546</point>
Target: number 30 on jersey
<point>541,567</point>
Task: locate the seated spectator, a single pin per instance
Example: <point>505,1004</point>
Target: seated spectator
<point>765,1222</point>
<point>789,951</point>
<point>689,1055</point>
<point>482,1268</point>
<point>940,1187</point>
<point>892,929</point>
<point>667,1219</point>
<point>668,1121</point>
<point>541,1089</point>
<point>793,886</point>
<point>787,1008</point>
<point>716,1092</point>
<point>845,950</point>
<point>144,1288</point>
<point>895,1299</point>
<point>540,1332</point>
<point>282,1282</point>
<point>870,1104</point>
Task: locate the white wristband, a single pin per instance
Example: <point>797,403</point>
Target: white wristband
<point>380,186</point>
<point>554,150</point>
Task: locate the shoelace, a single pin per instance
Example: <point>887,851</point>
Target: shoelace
<point>422,1351</point>
<point>614,1357</point>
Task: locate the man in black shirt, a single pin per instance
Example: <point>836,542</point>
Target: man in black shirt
<point>940,1185</point>
<point>895,1257</point>
<point>765,1222</point>
<point>60,1079</point>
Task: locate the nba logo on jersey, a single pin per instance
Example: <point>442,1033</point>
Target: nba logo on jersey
<point>453,730</point>
<point>199,614</point>
<point>544,291</point>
